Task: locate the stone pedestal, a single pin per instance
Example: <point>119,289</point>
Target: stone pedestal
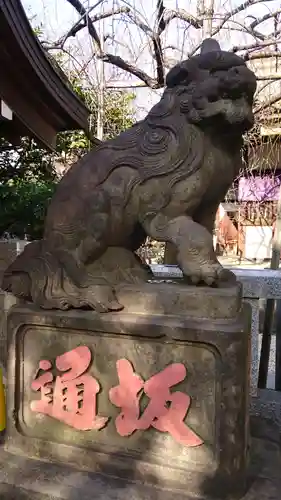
<point>197,340</point>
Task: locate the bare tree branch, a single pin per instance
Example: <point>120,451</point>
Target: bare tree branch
<point>257,45</point>
<point>247,30</point>
<point>140,24</point>
<point>163,18</point>
<point>111,58</point>
<point>157,44</point>
<point>154,36</point>
<point>181,14</point>
<point>79,7</point>
<point>132,69</point>
<point>276,76</point>
<point>262,55</point>
<point>110,13</point>
<point>268,103</point>
<point>240,8</point>
<point>81,24</point>
<point>260,20</point>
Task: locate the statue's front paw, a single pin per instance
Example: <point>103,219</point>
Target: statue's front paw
<point>210,273</point>
<point>226,277</point>
<point>207,273</point>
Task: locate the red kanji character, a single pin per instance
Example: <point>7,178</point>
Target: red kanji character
<point>126,397</point>
<point>165,419</point>
<point>43,384</point>
<point>72,398</point>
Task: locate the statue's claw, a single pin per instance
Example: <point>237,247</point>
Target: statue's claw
<point>101,298</point>
<point>212,274</point>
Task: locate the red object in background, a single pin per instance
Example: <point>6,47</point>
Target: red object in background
<point>227,233</point>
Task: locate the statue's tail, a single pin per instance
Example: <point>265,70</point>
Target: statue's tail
<point>38,275</point>
<point>17,278</point>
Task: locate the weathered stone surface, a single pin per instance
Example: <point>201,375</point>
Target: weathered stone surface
<point>177,299</point>
<point>215,353</point>
<point>9,492</point>
<point>48,481</point>
<point>163,178</point>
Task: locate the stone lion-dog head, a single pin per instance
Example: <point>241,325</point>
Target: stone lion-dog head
<point>214,89</point>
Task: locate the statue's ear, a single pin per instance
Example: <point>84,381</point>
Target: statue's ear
<point>177,75</point>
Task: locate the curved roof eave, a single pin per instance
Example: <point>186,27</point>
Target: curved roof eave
<point>43,86</point>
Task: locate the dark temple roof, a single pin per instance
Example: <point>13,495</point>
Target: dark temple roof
<point>39,95</point>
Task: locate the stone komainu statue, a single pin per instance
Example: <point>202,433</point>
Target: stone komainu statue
<point>164,177</point>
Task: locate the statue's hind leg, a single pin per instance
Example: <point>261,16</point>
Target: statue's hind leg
<point>94,284</point>
<point>78,248</point>
<point>94,269</point>
<point>83,286</point>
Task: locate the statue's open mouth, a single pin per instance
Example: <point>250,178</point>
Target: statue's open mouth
<point>237,90</point>
<point>239,113</point>
<point>227,111</point>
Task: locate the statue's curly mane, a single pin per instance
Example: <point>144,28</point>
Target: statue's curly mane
<point>162,144</point>
<point>159,144</point>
